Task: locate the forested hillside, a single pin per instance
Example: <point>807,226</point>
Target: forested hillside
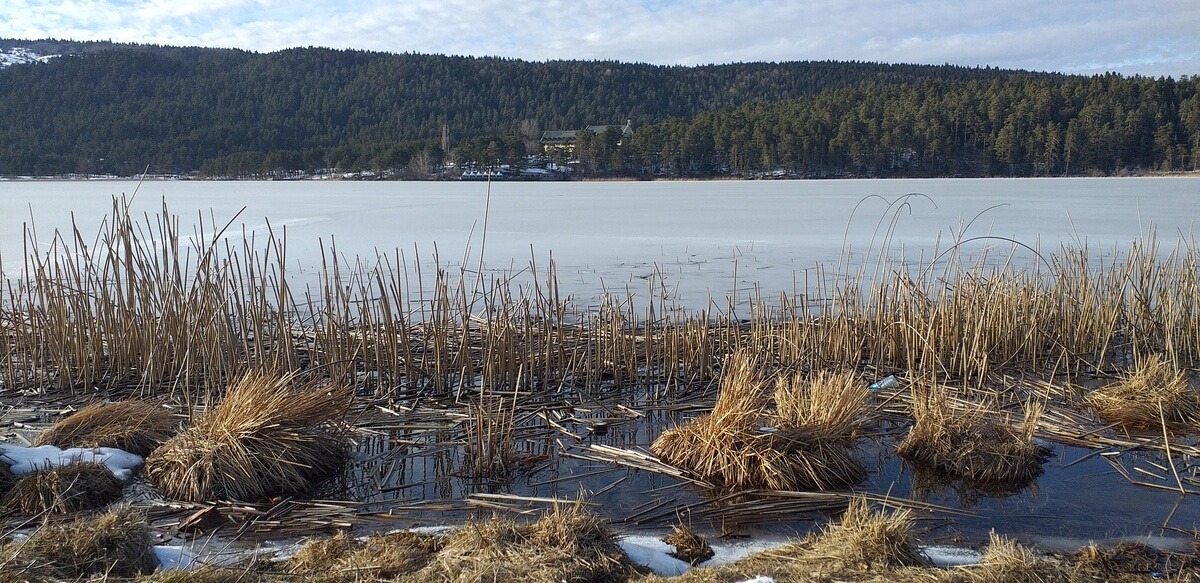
<point>114,109</point>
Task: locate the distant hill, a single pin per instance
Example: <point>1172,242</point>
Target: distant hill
<point>114,108</point>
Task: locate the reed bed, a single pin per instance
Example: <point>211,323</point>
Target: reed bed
<point>271,435</point>
<point>140,305</point>
<point>133,425</point>
<point>801,442</point>
<point>64,489</point>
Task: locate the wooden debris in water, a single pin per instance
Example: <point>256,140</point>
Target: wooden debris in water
<point>133,425</point>
<point>271,435</point>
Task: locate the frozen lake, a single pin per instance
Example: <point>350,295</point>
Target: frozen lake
<point>614,235</point>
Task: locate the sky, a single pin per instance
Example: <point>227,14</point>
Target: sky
<point>1146,37</point>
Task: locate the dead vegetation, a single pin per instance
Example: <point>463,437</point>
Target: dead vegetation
<point>690,547</point>
<point>379,557</point>
<point>1154,394</point>
<point>133,425</point>
<point>64,489</point>
<point>114,544</point>
<point>800,438</point>
<point>970,441</point>
<point>565,544</point>
<point>7,478</point>
<point>271,435</point>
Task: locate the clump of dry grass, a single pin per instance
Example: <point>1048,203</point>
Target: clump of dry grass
<point>804,442</point>
<point>689,545</point>
<point>133,425</point>
<point>64,489</point>
<point>864,545</point>
<point>868,538</point>
<point>1152,394</point>
<point>1119,559</point>
<point>115,544</point>
<point>380,557</point>
<point>967,442</point>
<point>204,574</point>
<point>566,544</point>
<point>271,435</point>
<point>1006,560</point>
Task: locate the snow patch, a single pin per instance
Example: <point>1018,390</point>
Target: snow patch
<point>175,557</point>
<point>22,460</point>
<point>654,554</point>
<point>942,556</point>
<point>759,579</point>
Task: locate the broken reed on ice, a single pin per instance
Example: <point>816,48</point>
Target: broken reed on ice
<point>140,305</point>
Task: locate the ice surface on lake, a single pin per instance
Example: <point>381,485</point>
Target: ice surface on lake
<point>704,239</point>
<point>23,460</point>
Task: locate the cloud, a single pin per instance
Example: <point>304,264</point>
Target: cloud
<point>1153,37</point>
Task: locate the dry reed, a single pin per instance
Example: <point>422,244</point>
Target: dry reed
<point>7,478</point>
<point>271,435</point>
<point>566,544</point>
<point>689,545</point>
<point>117,543</point>
<point>133,425</point>
<point>742,444</point>
<point>1154,393</point>
<point>64,489</point>
<point>142,307</point>
<point>379,557</point>
<point>967,442</point>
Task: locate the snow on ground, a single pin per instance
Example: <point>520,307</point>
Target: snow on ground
<point>23,460</point>
<point>20,56</point>
<point>943,556</point>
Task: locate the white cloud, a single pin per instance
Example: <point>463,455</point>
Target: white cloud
<point>1155,37</point>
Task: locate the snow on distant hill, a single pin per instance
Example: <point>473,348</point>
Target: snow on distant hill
<point>21,56</point>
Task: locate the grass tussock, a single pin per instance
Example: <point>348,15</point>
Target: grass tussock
<point>867,538</point>
<point>204,574</point>
<point>864,545</point>
<point>1154,393</point>
<point>115,544</point>
<point>379,557</point>
<point>967,442</point>
<point>64,489</point>
<point>133,425</point>
<point>799,438</point>
<point>1006,560</point>
<point>689,546</point>
<point>566,544</point>
<point>271,435</point>
<point>1124,558</point>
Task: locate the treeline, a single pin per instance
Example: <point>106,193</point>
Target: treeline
<point>116,108</point>
<point>1005,127</point>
